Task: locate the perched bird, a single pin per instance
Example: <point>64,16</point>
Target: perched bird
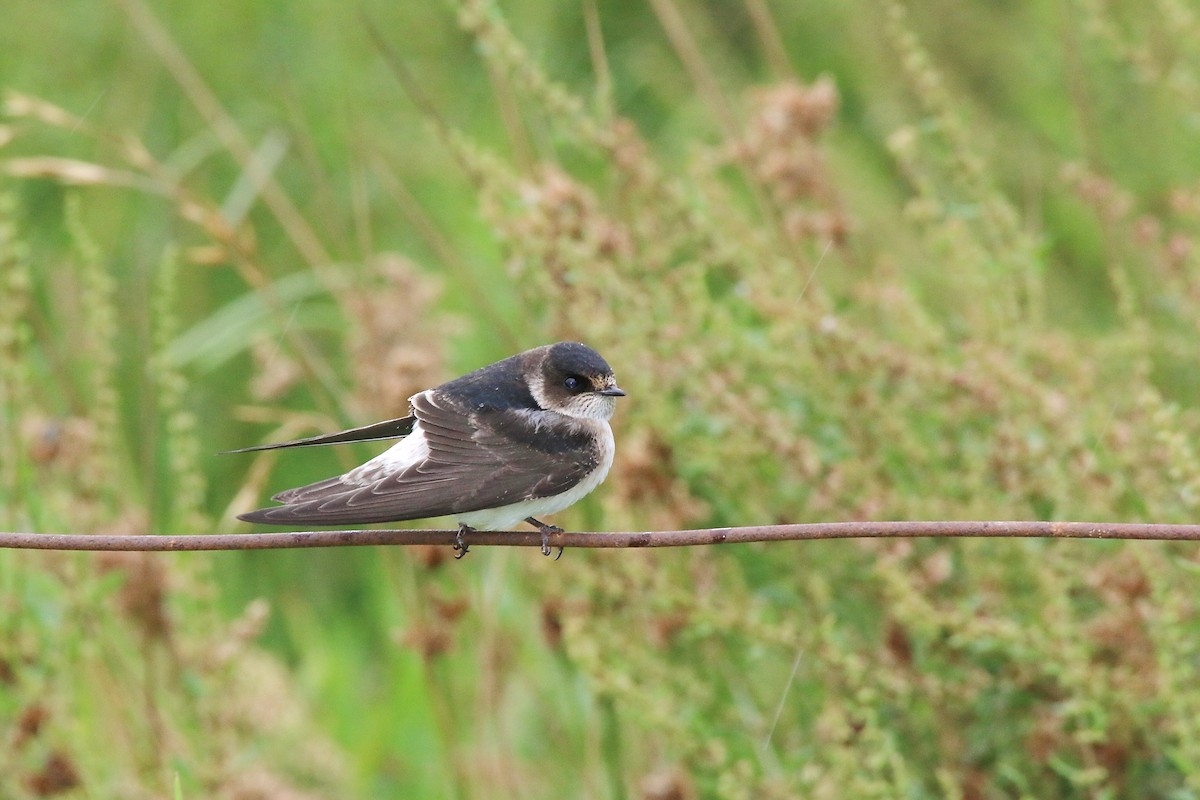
<point>512,441</point>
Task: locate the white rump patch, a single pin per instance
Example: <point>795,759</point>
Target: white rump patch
<point>412,449</point>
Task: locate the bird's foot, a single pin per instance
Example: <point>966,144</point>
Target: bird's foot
<point>546,531</point>
<point>460,546</point>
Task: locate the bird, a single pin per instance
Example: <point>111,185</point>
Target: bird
<point>522,438</point>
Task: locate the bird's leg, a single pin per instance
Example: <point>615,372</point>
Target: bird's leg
<point>546,531</point>
<point>460,547</point>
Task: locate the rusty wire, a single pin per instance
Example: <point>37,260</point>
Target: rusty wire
<point>622,539</point>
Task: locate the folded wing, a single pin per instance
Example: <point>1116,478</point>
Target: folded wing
<point>466,460</point>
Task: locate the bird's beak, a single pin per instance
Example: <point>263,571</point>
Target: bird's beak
<point>612,391</point>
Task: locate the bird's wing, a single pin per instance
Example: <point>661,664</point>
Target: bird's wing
<point>388,429</point>
<point>476,459</point>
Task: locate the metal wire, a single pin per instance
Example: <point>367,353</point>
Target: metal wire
<point>683,538</point>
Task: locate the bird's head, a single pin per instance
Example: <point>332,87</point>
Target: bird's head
<point>573,379</point>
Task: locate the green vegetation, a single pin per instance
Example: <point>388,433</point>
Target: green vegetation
<point>850,260</point>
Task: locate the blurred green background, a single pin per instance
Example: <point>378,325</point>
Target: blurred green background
<point>851,260</point>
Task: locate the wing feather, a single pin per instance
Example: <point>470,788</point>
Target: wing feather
<point>477,459</point>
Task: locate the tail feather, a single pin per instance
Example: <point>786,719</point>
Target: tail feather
<point>388,429</point>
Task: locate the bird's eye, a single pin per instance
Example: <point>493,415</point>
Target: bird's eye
<point>573,383</point>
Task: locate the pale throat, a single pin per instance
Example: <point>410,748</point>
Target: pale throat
<point>584,406</point>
